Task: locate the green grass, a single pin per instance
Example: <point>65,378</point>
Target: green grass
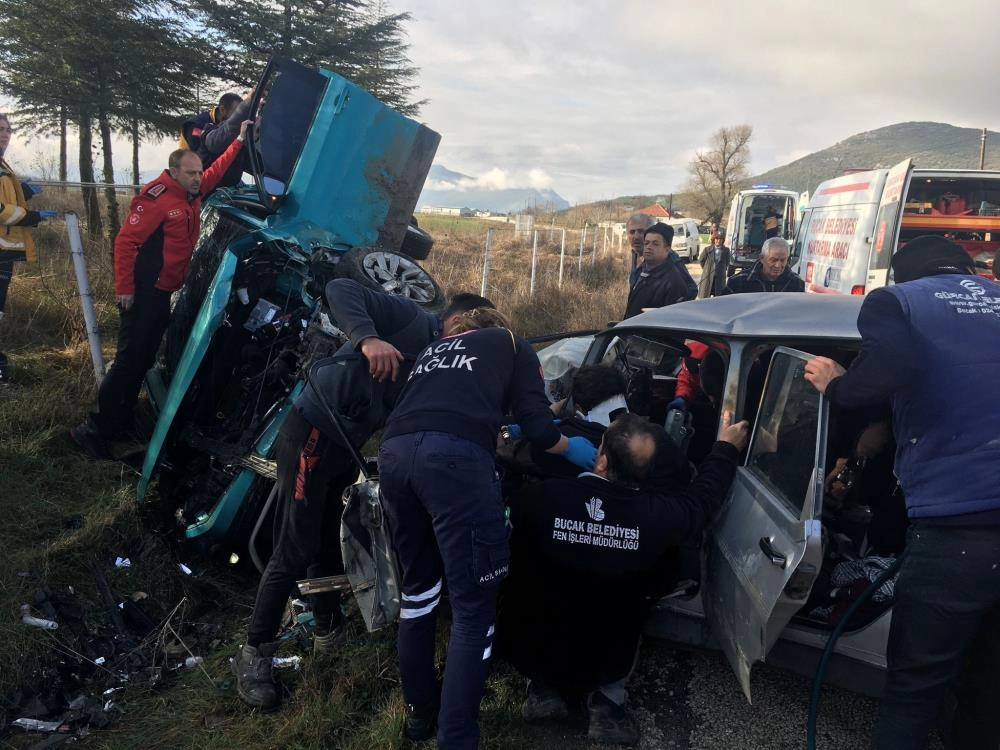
<point>67,516</point>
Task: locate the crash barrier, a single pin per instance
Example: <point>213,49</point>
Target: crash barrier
<point>86,296</point>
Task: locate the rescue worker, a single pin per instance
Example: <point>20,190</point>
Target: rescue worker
<point>16,242</point>
<point>662,278</point>
<point>194,128</point>
<point>769,274</point>
<point>928,347</point>
<point>445,513</point>
<point>216,140</point>
<point>588,553</point>
<point>771,223</point>
<point>152,256</point>
<point>362,382</point>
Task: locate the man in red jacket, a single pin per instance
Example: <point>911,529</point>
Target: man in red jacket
<point>152,256</point>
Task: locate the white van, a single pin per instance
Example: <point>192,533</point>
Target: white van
<point>686,238</point>
<point>854,223</point>
<point>755,215</point>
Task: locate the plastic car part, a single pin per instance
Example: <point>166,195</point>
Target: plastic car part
<point>393,273</point>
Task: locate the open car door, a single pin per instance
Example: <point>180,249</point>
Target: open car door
<point>887,224</point>
<point>764,551</point>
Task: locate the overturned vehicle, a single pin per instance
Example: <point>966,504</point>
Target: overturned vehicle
<point>336,177</point>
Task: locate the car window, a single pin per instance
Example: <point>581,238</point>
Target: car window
<point>783,450</point>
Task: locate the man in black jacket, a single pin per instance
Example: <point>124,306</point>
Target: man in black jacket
<point>586,555</point>
<point>362,382</point>
<point>662,279</point>
<point>769,274</point>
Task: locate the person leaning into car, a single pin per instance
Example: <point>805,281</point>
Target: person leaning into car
<point>152,256</point>
<point>928,345</point>
<point>361,382</point>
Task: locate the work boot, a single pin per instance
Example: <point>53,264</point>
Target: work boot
<point>543,703</point>
<point>420,723</point>
<point>89,441</point>
<point>254,681</point>
<point>610,724</point>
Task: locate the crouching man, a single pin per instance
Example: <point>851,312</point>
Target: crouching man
<point>587,554</point>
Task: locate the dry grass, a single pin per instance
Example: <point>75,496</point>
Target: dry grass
<point>66,515</point>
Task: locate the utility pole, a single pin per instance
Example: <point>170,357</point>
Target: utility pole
<point>982,149</point>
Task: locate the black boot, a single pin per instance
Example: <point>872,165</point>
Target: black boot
<point>421,722</point>
<point>4,369</point>
<point>254,681</point>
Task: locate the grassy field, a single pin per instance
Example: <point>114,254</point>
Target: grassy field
<point>69,518</point>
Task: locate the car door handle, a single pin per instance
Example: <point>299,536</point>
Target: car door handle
<point>776,558</point>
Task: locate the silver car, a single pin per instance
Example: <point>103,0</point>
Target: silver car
<point>764,552</point>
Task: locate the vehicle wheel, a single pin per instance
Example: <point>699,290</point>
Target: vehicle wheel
<point>417,243</point>
<point>392,273</point>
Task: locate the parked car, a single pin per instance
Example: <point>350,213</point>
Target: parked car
<point>336,176</point>
<point>764,554</point>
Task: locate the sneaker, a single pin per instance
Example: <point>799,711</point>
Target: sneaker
<point>89,441</point>
<point>254,679</point>
<point>610,724</point>
<point>420,723</point>
<point>543,703</point>
<point>328,645</point>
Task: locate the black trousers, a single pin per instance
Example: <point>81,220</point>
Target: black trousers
<point>6,274</point>
<point>947,591</point>
<point>313,472</point>
<point>142,329</point>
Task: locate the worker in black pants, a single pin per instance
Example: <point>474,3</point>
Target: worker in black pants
<point>445,512</point>
<point>314,467</point>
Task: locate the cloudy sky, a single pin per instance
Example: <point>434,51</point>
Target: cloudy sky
<point>600,98</point>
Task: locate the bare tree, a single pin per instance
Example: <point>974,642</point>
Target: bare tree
<point>716,173</point>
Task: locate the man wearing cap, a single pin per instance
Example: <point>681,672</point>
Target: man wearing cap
<point>929,346</point>
<point>661,279</point>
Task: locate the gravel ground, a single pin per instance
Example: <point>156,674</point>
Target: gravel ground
<point>691,700</point>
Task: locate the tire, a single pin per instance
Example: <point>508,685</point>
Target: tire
<point>417,243</point>
<point>392,273</point>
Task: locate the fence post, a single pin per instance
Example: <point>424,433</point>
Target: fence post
<point>583,240</point>
<point>86,297</point>
<point>534,263</point>
<point>593,250</point>
<point>486,261</point>
<point>562,257</point>
<point>604,241</point>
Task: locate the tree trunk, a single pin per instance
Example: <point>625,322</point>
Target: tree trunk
<point>63,152</point>
<point>92,208</point>
<point>110,195</point>
<point>134,126</point>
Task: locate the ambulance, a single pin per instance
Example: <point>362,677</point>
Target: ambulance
<point>756,214</point>
<point>854,223</point>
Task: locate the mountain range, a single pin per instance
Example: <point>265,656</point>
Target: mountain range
<point>929,144</point>
<point>445,188</point>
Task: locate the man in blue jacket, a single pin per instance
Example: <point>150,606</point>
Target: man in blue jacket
<point>930,346</point>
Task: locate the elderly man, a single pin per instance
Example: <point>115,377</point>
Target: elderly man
<point>661,279</point>
<point>152,257</point>
<point>588,553</point>
<point>769,274</point>
<point>928,345</point>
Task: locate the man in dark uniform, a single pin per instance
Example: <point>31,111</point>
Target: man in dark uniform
<point>587,553</point>
<point>152,256</point>
<point>929,345</point>
<point>661,279</point>
<point>194,128</point>
<point>362,382</point>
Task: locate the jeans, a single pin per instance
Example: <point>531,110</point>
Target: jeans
<point>446,518</point>
<point>948,585</point>
<point>313,472</point>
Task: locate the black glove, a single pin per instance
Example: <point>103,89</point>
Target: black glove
<point>30,219</point>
